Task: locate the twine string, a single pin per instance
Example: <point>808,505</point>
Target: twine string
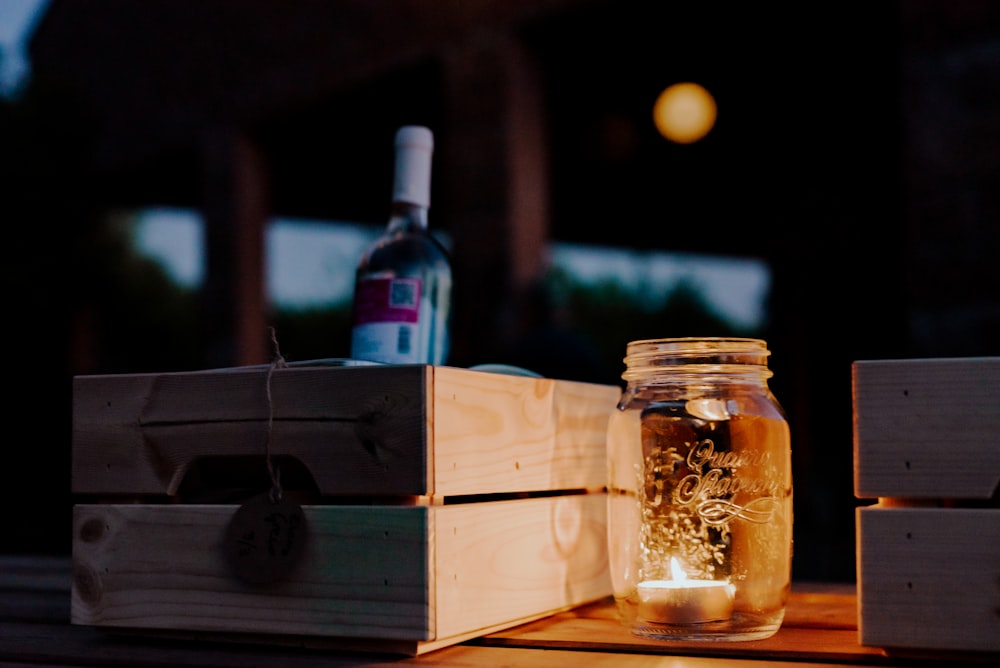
<point>273,472</point>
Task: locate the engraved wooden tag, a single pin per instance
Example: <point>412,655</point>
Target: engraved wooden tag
<point>265,539</point>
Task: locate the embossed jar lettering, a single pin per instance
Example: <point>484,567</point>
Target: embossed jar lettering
<point>700,492</point>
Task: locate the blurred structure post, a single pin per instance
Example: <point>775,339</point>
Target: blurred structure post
<point>236,211</point>
<point>496,179</point>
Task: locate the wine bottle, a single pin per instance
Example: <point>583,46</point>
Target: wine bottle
<point>402,291</point>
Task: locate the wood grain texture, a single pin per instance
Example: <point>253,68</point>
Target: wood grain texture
<point>502,561</point>
<point>515,434</point>
<point>818,631</point>
<point>425,576</point>
<point>927,428</point>
<point>929,578</point>
<point>378,430</point>
<point>356,429</point>
<point>820,624</point>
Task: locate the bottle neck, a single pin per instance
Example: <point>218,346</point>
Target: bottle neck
<point>407,216</point>
<point>411,184</point>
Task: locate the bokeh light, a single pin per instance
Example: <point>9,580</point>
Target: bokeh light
<point>684,112</point>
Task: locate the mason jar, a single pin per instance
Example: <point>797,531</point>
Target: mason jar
<point>699,492</point>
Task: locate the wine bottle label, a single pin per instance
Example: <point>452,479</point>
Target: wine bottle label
<point>386,320</point>
<point>387,300</point>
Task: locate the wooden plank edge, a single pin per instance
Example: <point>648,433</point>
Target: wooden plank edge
<point>312,499</point>
<point>389,646</point>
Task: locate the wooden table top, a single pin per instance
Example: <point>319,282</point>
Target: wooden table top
<point>820,629</point>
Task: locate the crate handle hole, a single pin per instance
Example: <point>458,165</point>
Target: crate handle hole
<point>214,479</point>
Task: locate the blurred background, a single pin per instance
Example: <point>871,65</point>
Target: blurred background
<point>177,177</point>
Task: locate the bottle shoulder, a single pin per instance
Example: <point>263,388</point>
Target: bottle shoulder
<point>406,251</point>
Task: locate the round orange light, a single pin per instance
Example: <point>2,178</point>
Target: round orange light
<point>684,113</point>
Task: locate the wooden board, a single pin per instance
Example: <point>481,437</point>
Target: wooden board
<point>819,630</point>
<point>929,578</point>
<point>812,606</point>
<point>405,579</point>
<point>927,428</point>
<point>366,430</point>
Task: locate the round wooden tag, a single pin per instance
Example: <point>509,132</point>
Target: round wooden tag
<point>265,539</point>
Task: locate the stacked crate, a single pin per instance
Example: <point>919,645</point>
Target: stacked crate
<point>429,504</point>
<point>927,448</point>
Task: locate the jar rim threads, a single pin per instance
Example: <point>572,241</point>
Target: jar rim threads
<point>737,356</point>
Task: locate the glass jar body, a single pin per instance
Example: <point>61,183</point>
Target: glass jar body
<point>699,492</point>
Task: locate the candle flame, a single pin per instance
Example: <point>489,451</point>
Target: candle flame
<point>676,572</point>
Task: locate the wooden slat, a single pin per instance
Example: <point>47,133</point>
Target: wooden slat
<point>356,429</point>
<point>814,626</point>
<point>927,428</point>
<point>410,578</point>
<point>497,562</point>
<point>36,645</point>
<point>373,430</point>
<point>928,578</point>
<point>819,625</point>
<point>496,432</point>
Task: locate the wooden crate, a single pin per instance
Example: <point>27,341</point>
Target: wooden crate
<point>927,447</point>
<point>439,503</point>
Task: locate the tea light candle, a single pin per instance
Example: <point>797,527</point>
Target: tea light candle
<point>684,601</point>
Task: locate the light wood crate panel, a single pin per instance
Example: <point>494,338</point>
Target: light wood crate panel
<point>403,579</point>
<point>367,430</point>
<point>927,428</point>
<point>929,578</point>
